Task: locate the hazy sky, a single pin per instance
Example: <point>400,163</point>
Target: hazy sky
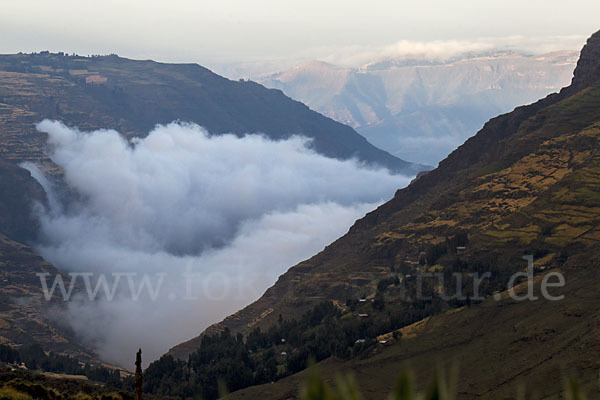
<point>213,31</point>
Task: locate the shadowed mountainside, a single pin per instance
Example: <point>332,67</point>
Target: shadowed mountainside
<point>19,191</point>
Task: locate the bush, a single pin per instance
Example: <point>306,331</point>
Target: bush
<point>443,387</point>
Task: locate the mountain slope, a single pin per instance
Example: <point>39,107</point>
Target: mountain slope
<point>527,183</point>
<point>25,317</point>
<point>501,347</point>
<point>132,96</point>
<point>18,192</point>
<point>422,110</point>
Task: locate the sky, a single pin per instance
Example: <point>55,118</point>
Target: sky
<point>214,32</point>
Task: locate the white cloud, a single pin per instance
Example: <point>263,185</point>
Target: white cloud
<point>237,211</point>
<point>356,56</point>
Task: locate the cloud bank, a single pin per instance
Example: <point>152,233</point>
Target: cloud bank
<point>220,216</point>
<point>361,56</point>
<point>444,50</point>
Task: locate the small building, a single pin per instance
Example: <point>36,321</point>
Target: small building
<point>95,79</point>
<point>359,341</point>
<point>363,315</point>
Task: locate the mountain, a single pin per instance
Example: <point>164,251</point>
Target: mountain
<point>19,191</point>
<point>131,96</point>
<point>526,184</point>
<point>500,347</point>
<point>25,317</point>
<point>421,110</point>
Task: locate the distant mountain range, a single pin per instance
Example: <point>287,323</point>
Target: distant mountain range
<point>420,110</point>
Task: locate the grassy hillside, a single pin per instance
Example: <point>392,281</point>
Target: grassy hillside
<point>24,385</point>
<point>502,186</point>
<point>501,348</point>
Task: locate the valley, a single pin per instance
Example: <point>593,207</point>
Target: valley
<point>111,165</point>
<point>525,184</point>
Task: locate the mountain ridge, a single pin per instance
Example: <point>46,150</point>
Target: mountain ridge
<point>130,96</point>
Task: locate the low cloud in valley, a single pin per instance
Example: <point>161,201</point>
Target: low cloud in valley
<point>235,212</point>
